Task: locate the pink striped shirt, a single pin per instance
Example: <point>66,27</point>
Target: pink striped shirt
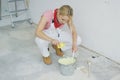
<point>49,16</point>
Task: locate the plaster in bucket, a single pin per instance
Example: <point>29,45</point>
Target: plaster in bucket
<point>67,65</point>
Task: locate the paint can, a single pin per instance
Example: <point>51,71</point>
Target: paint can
<point>67,65</point>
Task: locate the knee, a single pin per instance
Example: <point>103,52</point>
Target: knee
<point>41,43</point>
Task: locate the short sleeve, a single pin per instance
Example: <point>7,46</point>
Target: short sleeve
<point>49,15</point>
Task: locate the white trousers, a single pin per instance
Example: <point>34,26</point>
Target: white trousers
<point>58,34</point>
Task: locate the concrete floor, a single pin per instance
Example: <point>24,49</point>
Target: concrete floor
<point>20,59</point>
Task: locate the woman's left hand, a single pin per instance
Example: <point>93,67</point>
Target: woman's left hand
<point>74,48</point>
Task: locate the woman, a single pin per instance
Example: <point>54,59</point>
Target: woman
<point>48,31</point>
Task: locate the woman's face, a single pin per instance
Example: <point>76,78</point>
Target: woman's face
<point>63,19</point>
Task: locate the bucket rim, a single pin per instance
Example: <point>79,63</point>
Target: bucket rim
<point>67,64</point>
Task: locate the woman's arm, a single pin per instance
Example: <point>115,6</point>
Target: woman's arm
<point>40,28</point>
<point>74,35</point>
<point>41,34</point>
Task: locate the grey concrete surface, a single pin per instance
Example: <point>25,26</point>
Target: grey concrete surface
<point>20,59</point>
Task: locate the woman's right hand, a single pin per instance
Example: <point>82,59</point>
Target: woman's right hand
<point>55,42</point>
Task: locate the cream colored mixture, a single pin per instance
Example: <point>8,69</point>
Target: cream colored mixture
<point>67,61</point>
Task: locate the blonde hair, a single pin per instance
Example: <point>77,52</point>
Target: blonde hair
<point>66,10</point>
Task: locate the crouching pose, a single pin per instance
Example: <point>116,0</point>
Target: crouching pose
<point>49,32</point>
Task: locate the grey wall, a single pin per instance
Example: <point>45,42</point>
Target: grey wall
<point>4,8</point>
<point>5,13</point>
<point>99,22</point>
